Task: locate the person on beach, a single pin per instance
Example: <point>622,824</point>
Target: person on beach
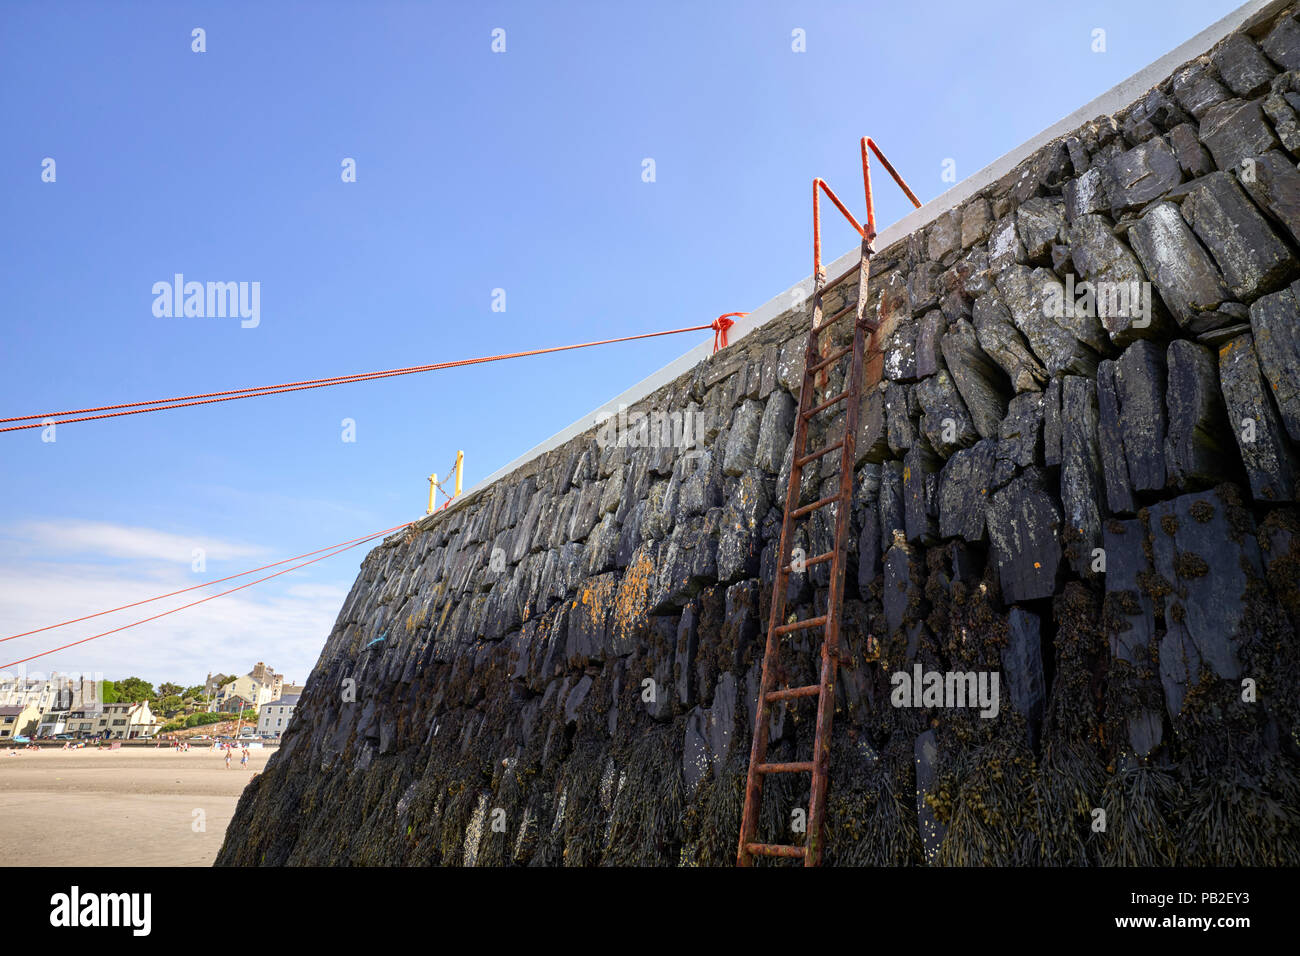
<point>227,759</point>
<point>243,760</point>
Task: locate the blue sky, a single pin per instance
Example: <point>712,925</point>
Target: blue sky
<point>476,171</point>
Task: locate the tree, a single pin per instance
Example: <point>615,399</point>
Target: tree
<point>108,692</point>
<point>135,689</point>
<point>170,704</point>
<point>168,689</point>
<point>194,693</point>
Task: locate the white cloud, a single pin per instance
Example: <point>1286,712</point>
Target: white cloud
<point>105,540</point>
<point>283,621</point>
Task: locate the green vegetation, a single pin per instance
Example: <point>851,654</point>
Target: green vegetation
<point>135,690</point>
<point>198,720</point>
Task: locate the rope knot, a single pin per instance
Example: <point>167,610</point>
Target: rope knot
<point>720,326</point>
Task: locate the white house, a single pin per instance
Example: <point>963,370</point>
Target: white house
<point>53,723</point>
<point>274,716</point>
<point>126,720</point>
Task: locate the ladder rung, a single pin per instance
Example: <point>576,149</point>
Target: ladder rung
<point>804,766</point>
<point>801,625</point>
<point>827,323</point>
<point>790,693</point>
<point>774,849</point>
<point>830,359</point>
<point>826,404</point>
<point>812,456</point>
<point>811,561</point>
<point>852,271</point>
<point>800,512</point>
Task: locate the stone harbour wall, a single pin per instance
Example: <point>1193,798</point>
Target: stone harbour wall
<point>1101,508</point>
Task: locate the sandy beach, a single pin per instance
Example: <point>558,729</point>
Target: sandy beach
<point>127,807</point>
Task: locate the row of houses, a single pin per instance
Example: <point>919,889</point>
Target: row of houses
<point>35,707</point>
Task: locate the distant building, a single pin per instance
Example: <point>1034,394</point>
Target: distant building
<point>81,723</point>
<point>18,720</point>
<point>234,704</point>
<point>274,716</point>
<point>57,692</point>
<point>259,686</point>
<point>125,721</point>
<point>52,724</point>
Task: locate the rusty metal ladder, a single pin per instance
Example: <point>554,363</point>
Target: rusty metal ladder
<point>815,365</point>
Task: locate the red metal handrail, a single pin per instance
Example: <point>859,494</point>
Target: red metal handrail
<point>817,222</point>
<point>867,141</point>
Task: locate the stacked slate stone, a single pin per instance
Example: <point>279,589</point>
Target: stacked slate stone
<point>1099,504</point>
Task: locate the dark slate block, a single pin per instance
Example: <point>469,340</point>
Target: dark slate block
<point>1209,560</point>
<point>1040,222</point>
<point>695,750</point>
<point>1275,322</point>
<point>1140,387</point>
<point>1280,108</point>
<point>926,753</point>
<point>1141,174</point>
<point>1196,91</point>
<point>1130,618</point>
<point>900,354</point>
<point>944,236</point>
<point>1022,663</point>
<point>891,503</point>
<point>1283,44</point>
<point>1253,259</point>
<point>1086,194</point>
<point>1020,434</point>
<point>1121,310</point>
<point>964,491</point>
<point>1189,282</point>
<point>1029,295</point>
<point>1119,493</point>
<point>946,424</point>
<point>927,343</point>
<point>775,431</point>
<point>1052,423</point>
<point>1275,186</point>
<point>1242,66</point>
<point>869,549</point>
<point>899,429</point>
<point>1255,423</point>
<point>1193,158</point>
<point>901,589</point>
<point>978,379</point>
<point>1154,114</point>
<point>1199,451</point>
<point>740,544</point>
<point>920,494</point>
<point>684,652</point>
<point>997,336</point>
<point>1024,525</point>
<point>1005,247</point>
<point>1081,482</point>
<point>872,441</point>
<point>1236,130</point>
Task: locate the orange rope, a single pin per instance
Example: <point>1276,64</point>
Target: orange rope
<point>210,597</point>
<point>210,398</point>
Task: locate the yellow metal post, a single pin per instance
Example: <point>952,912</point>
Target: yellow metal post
<point>433,490</point>
<point>460,468</point>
